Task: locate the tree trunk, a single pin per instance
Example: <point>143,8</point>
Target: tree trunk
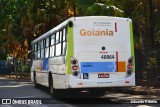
<point>151,22</point>
<point>15,64</point>
<point>21,65</point>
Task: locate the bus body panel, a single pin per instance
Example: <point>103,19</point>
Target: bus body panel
<point>86,41</point>
<point>54,65</point>
<point>90,36</point>
<point>95,83</point>
<point>58,68</point>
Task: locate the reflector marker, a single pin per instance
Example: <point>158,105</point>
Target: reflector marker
<point>127,82</point>
<point>117,60</point>
<point>79,83</point>
<point>130,66</point>
<point>103,52</point>
<point>115,27</point>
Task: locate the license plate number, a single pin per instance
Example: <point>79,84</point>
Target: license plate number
<point>103,75</point>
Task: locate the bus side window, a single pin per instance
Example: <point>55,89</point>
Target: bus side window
<point>58,45</point>
<point>42,49</point>
<point>58,49</point>
<point>53,39</point>
<point>35,51</point>
<point>52,50</point>
<point>64,34</point>
<point>57,37</point>
<point>47,48</point>
<point>64,42</point>
<point>39,51</point>
<point>64,48</point>
<point>60,36</point>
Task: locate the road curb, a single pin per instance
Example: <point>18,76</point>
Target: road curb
<point>137,90</point>
<point>17,76</point>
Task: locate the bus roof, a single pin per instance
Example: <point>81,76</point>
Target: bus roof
<point>79,18</point>
<point>49,32</point>
<point>100,17</point>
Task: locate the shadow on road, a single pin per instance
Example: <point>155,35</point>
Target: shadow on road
<point>78,97</point>
<point>71,94</point>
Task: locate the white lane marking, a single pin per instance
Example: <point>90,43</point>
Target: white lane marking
<point>26,97</point>
<point>6,106</point>
<point>14,86</point>
<point>38,105</point>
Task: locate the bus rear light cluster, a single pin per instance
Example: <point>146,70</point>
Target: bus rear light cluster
<point>74,62</point>
<point>129,67</point>
<point>129,72</point>
<point>130,60</point>
<point>75,68</point>
<point>75,73</point>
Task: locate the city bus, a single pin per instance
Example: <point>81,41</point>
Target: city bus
<point>91,52</point>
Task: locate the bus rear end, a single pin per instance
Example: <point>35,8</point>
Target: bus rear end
<point>102,52</point>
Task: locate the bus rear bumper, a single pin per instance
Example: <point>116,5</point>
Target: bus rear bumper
<point>100,83</point>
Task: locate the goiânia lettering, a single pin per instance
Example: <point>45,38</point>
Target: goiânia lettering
<point>94,32</point>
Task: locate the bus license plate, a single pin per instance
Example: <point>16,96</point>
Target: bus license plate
<point>103,75</point>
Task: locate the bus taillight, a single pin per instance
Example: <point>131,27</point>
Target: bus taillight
<point>129,67</point>
<point>75,73</point>
<point>130,60</point>
<point>75,68</point>
<point>74,61</point>
<point>129,72</point>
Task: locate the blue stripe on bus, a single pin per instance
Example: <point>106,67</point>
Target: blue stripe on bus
<point>87,67</point>
<point>45,64</point>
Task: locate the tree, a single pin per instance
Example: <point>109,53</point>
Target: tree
<point>98,7</point>
<point>24,20</point>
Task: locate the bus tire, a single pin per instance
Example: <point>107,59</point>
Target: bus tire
<point>51,88</point>
<point>35,80</point>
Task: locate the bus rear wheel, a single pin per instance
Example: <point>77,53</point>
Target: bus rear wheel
<point>35,80</point>
<point>51,88</point>
<point>57,93</point>
<point>52,91</point>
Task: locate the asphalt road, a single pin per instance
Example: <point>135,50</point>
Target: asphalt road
<point>24,90</point>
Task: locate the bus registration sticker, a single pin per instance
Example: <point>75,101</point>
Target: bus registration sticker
<point>103,75</point>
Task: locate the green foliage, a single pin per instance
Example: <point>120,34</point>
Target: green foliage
<point>3,56</point>
<point>28,19</point>
<point>23,68</point>
<point>98,8</point>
